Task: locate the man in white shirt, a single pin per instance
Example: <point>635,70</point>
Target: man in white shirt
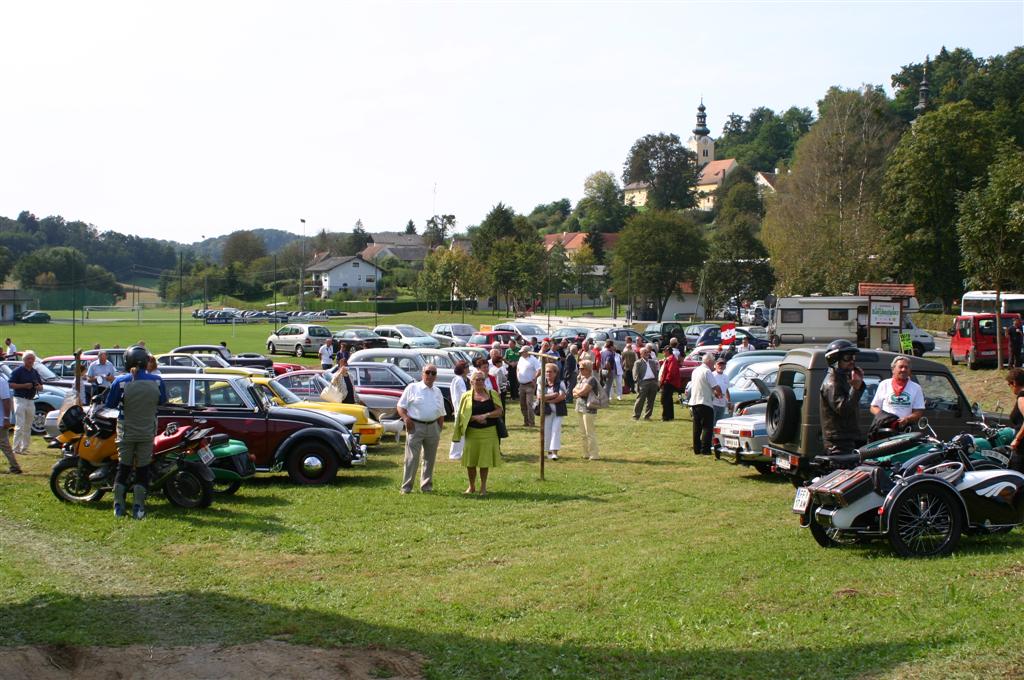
<point>703,390</point>
<point>100,374</point>
<point>326,353</point>
<point>6,411</point>
<point>899,396</point>
<point>744,346</point>
<point>498,373</point>
<point>10,349</point>
<point>421,407</point>
<point>526,372</point>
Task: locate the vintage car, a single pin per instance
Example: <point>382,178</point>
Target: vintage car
<point>381,397</point>
<point>204,363</point>
<point>793,415</point>
<point>368,429</point>
<point>741,440</point>
<point>309,445</point>
<point>250,359</point>
<point>48,400</point>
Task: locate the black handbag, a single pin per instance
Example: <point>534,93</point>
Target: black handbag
<point>502,430</point>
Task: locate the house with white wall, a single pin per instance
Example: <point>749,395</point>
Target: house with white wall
<point>351,273</point>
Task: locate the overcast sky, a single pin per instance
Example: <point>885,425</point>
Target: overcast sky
<point>189,119</point>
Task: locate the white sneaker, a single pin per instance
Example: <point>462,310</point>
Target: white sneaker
<point>552,456</point>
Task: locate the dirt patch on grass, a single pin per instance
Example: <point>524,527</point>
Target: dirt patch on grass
<point>270,658</point>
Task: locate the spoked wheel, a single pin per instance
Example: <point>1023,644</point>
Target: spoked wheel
<point>72,485</point>
<point>925,521</point>
<point>187,490</point>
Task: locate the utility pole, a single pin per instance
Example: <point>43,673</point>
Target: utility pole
<point>302,268</point>
<point>181,272</point>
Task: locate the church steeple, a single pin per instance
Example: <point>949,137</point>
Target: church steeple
<point>923,92</point>
<point>702,122</point>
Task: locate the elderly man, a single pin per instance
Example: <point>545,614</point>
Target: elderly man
<point>645,376</point>
<point>99,375</point>
<point>26,383</point>
<point>527,372</point>
<point>703,392</point>
<point>899,397</point>
<point>421,407</point>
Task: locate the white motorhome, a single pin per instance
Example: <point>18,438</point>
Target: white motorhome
<point>984,302</point>
<point>819,319</point>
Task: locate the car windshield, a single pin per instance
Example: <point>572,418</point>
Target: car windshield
<point>44,372</point>
<point>411,331</point>
<point>283,393</point>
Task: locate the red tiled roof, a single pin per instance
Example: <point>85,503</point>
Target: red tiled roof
<point>574,240</point>
<point>715,171</point>
<point>887,289</point>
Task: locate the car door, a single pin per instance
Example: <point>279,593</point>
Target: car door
<point>945,406</point>
<point>221,405</point>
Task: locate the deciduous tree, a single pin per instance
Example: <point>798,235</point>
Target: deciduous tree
<point>668,168</point>
<point>242,246</point>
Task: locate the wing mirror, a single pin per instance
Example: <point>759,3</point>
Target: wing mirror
<point>922,423</point>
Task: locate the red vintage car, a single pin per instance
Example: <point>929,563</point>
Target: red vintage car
<point>488,338</point>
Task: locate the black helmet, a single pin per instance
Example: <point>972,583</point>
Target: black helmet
<point>135,357</point>
<point>838,348</point>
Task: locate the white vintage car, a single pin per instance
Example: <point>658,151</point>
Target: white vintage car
<point>741,439</point>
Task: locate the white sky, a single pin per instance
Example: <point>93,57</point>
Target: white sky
<point>188,119</point>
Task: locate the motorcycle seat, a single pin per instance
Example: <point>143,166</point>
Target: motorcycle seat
<point>165,441</point>
<point>839,461</point>
<point>218,439</point>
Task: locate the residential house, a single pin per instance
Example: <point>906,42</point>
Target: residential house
<point>12,302</point>
<point>351,273</point>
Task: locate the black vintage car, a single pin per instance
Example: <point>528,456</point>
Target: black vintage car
<point>309,445</point>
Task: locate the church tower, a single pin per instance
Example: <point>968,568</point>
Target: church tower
<point>923,93</point>
<point>701,144</point>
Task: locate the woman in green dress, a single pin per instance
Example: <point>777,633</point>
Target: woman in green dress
<point>476,419</point>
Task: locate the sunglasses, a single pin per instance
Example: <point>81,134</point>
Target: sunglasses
<point>848,357</point>
<point>429,372</point>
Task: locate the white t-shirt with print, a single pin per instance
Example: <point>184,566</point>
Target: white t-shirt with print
<point>911,399</point>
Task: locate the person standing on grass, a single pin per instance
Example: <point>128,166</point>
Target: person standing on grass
<point>26,383</point>
<point>512,362</point>
<point>703,390</point>
<point>670,380</point>
<point>628,361</point>
<point>137,395</point>
<point>421,407</point>
<point>527,372</point>
<point>476,420</point>
<point>551,394</point>
<point>459,386</point>
<point>326,353</point>
<point>721,404</point>
<point>587,385</point>
<point>10,349</point>
<point>7,415</point>
<point>570,369</point>
<point>499,377</point>
<point>645,375</point>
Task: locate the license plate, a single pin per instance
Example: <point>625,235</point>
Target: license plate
<point>731,442</point>
<point>206,455</point>
<point>782,462</point>
<point>802,500</point>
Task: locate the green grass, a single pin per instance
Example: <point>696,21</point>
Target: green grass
<point>651,563</point>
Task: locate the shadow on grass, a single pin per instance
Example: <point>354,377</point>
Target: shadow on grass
<point>190,617</point>
<point>636,461</point>
<point>223,518</point>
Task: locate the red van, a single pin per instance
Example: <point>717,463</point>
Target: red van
<point>973,339</point>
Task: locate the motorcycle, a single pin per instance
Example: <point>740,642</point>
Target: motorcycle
<point>921,498</point>
<point>86,471</point>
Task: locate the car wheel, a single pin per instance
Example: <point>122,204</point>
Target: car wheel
<point>299,352</point>
<point>406,347</point>
<point>925,521</point>
<point>972,362</point>
<point>312,463</point>
<point>952,357</point>
<point>918,349</point>
<point>39,420</point>
<point>271,348</point>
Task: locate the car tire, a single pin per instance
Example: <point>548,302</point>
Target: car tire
<point>972,362</point>
<point>405,347</point>
<point>39,420</point>
<point>299,352</point>
<point>782,414</point>
<point>312,463</point>
<point>917,509</point>
<point>763,468</point>
<point>271,348</point>
<point>952,357</point>
<point>918,349</point>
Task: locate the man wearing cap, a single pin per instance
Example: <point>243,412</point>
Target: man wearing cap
<point>421,407</point>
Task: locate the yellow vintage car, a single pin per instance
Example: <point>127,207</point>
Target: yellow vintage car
<point>368,429</point>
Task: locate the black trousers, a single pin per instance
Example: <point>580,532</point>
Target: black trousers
<point>668,403</point>
<point>513,382</point>
<point>703,428</point>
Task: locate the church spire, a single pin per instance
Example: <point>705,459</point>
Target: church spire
<point>702,121</point>
<point>923,92</point>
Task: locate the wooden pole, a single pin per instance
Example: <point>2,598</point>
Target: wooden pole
<point>545,359</point>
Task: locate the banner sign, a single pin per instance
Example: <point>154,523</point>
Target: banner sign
<point>884,314</point>
<point>728,333</point>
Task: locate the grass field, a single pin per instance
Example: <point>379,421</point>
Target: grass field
<point>650,563</point>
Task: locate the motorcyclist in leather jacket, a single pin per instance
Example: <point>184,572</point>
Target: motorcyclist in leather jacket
<point>840,399</point>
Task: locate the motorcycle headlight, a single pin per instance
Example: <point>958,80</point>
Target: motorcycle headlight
<point>965,442</point>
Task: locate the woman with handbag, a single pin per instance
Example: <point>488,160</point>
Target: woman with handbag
<point>341,390</point>
<point>586,387</point>
<point>553,399</point>
<point>477,419</point>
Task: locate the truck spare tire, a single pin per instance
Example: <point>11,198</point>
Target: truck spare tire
<point>782,414</point>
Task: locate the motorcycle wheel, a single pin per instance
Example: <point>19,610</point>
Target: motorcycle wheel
<point>925,522</point>
<point>70,486</point>
<point>187,490</point>
<point>226,488</point>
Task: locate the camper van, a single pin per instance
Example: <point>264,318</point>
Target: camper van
<point>819,319</point>
<point>984,302</point>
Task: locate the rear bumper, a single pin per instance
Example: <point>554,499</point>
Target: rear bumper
<point>739,455</point>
